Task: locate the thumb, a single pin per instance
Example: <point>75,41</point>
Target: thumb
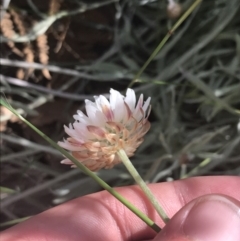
<point>208,218</point>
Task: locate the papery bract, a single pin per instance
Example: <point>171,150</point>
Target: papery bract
<point>107,127</point>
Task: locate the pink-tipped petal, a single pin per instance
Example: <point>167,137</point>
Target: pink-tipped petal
<point>128,112</point>
<point>70,147</point>
<point>104,104</point>
<point>96,131</point>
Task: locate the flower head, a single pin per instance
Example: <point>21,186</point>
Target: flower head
<point>107,127</point>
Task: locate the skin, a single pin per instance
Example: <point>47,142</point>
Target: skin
<point>101,217</point>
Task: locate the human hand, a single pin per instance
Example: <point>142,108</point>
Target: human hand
<point>101,217</point>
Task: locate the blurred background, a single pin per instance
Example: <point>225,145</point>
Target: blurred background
<point>55,54</point>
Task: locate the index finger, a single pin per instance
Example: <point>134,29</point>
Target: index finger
<point>101,217</point>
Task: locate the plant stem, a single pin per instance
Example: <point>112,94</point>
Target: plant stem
<point>124,201</point>
<point>164,40</point>
<point>128,164</point>
<point>14,221</point>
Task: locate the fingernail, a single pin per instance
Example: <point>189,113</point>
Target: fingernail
<point>213,217</point>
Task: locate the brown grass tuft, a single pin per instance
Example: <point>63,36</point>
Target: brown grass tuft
<point>7,29</point>
<point>54,6</point>
<point>43,48</point>
<point>27,50</point>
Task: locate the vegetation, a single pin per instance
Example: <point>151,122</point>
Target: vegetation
<point>55,54</point>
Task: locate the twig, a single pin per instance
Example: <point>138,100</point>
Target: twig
<point>57,69</point>
<point>25,84</point>
<point>19,155</point>
<point>29,144</point>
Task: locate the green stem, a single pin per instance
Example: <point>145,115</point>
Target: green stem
<point>128,164</point>
<point>196,169</point>
<point>164,40</point>
<point>12,222</point>
<point>124,201</point>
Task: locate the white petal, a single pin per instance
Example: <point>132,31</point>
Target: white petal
<point>82,118</point>
<point>114,97</point>
<point>91,110</point>
<point>95,115</point>
<point>68,146</point>
<point>100,118</point>
<point>117,105</point>
<point>130,99</point>
<point>66,161</point>
<point>103,104</point>
<point>137,112</point>
<point>82,131</point>
<point>102,100</point>
<point>98,102</point>
<point>140,101</point>
<point>146,104</point>
<point>79,136</point>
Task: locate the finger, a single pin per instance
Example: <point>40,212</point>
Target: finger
<point>101,217</point>
<point>210,217</point>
